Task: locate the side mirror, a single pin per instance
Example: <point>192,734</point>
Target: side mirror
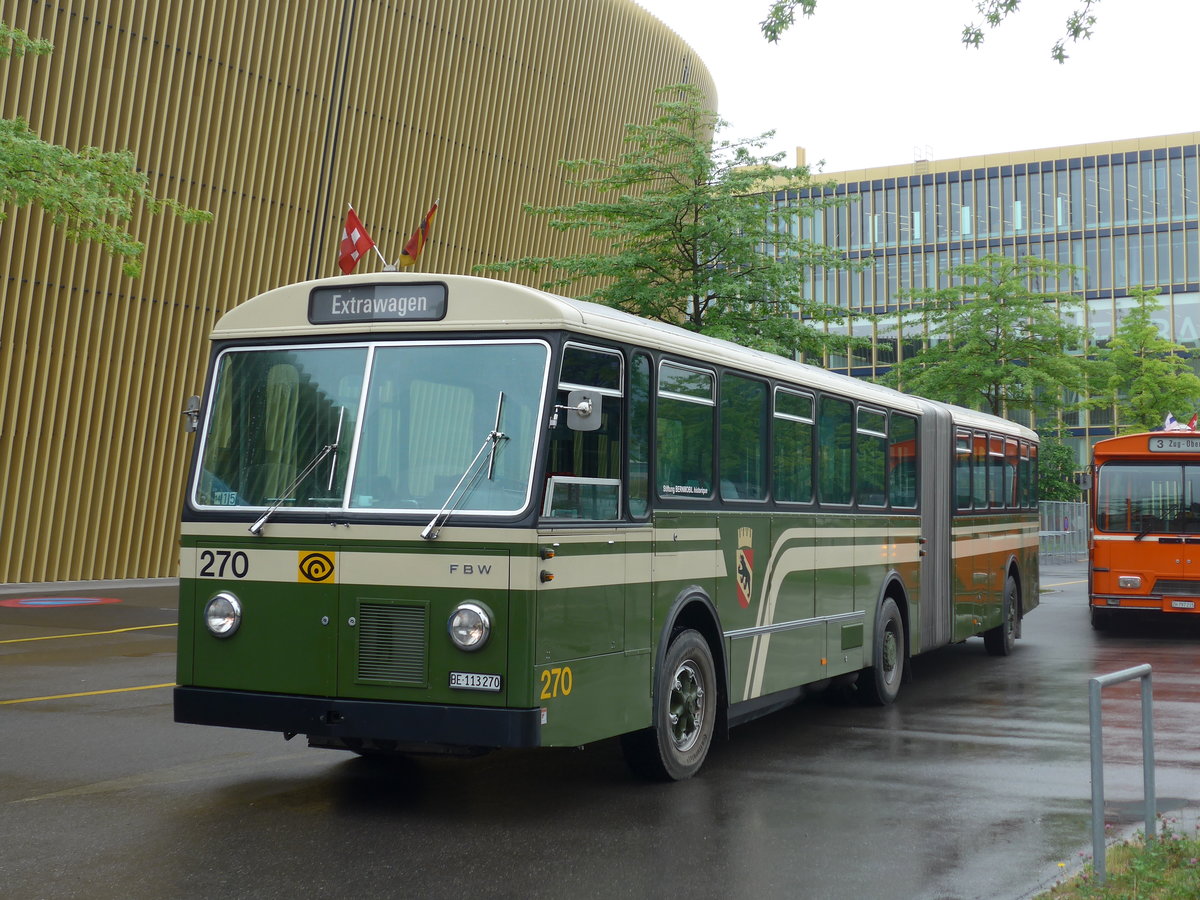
<point>584,410</point>
<point>192,414</point>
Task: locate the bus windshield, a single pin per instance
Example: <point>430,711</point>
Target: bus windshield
<point>403,420</point>
<point>1148,497</point>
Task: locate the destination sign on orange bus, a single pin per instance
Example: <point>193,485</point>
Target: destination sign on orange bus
<point>1174,443</point>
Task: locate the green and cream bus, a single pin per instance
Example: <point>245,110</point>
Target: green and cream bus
<point>448,514</point>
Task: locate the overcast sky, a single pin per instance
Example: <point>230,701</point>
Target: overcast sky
<point>883,82</point>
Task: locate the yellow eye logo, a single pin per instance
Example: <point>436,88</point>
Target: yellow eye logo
<point>315,568</point>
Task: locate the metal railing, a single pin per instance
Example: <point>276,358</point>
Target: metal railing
<point>1149,802</point>
<point>1062,530</point>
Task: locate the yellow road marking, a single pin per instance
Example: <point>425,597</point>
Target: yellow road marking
<point>1065,583</point>
<point>144,687</point>
<point>55,637</point>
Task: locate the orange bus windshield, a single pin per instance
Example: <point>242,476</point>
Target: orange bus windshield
<point>1148,484</point>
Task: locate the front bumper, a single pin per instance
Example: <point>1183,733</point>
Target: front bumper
<point>1151,603</point>
<point>464,726</point>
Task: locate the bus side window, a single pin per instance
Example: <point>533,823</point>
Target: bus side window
<point>979,471</point>
<point>639,435</point>
<point>1025,478</point>
<point>1031,478</point>
<point>871,461</point>
<point>962,470</point>
<point>743,438</point>
<point>996,476</point>
<point>835,451</point>
<point>684,432</point>
<point>584,467</point>
<point>793,447</point>
<point>1011,469</point>
<point>902,462</point>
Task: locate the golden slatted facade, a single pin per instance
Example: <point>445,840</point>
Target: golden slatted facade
<point>272,114</point>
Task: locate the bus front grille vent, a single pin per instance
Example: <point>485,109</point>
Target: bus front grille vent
<point>1177,587</point>
<point>391,643</point>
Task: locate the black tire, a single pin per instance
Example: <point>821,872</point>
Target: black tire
<point>1101,619</point>
<point>685,713</point>
<point>880,684</point>
<point>1001,640</point>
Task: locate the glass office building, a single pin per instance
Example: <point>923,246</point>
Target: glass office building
<point>1124,213</point>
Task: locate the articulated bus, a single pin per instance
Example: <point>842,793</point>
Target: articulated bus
<point>1144,547</point>
<point>452,514</point>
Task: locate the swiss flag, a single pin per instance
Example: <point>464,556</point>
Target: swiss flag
<point>355,242</point>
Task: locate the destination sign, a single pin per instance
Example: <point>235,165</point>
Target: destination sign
<point>350,303</point>
<point>1171,443</point>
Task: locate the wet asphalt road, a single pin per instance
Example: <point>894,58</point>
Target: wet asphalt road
<point>974,785</point>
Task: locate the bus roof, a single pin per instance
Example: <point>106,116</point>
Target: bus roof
<point>1148,444</point>
<point>486,304</point>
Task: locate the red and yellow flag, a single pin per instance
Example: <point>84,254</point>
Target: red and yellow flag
<point>416,243</point>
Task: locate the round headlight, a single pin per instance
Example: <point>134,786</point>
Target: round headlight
<point>469,626</point>
<point>223,614</point>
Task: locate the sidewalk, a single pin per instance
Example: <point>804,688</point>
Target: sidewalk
<point>52,588</point>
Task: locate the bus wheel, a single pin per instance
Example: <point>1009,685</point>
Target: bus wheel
<point>685,713</point>
<point>1001,640</point>
<point>1100,619</point>
<point>880,684</point>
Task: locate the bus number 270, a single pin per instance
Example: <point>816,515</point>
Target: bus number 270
<point>217,563</point>
<point>557,681</point>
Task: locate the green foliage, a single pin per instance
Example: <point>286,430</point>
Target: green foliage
<point>782,15</point>
<point>690,232</point>
<point>1079,24</point>
<point>87,192</point>
<point>1056,471</point>
<point>996,339</point>
<point>14,42</point>
<point>1167,868</point>
<point>1141,372</point>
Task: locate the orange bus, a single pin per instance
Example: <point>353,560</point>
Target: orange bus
<point>1144,543</point>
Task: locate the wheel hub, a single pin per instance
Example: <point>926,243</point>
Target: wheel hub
<point>889,650</point>
<point>686,706</point>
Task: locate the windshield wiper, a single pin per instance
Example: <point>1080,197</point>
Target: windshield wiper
<point>257,527</point>
<point>495,436</point>
<point>1150,524</point>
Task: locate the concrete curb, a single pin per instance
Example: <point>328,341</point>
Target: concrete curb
<point>91,587</point>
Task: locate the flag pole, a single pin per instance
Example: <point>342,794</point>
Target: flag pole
<point>387,267</point>
<point>375,247</point>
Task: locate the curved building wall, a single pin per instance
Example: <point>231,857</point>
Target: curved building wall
<point>273,115</point>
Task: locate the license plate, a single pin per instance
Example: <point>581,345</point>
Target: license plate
<point>1183,604</point>
<point>474,681</point>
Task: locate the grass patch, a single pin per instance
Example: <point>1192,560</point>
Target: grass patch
<point>1167,868</point>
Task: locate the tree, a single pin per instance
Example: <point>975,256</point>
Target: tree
<point>1056,471</point>
<point>85,192</point>
<point>782,15</point>
<point>1141,372</point>
<point>692,232</point>
<point>996,339</point>
<point>1079,24</point>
